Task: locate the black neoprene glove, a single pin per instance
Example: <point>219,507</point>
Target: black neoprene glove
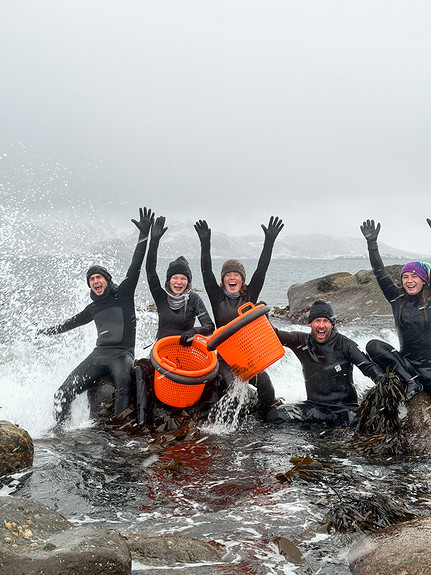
<point>203,231</point>
<point>158,228</point>
<point>146,220</point>
<point>186,338</point>
<point>274,228</point>
<point>370,231</point>
<point>429,222</point>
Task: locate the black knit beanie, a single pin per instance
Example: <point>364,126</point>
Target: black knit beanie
<point>234,266</point>
<point>98,270</point>
<point>321,308</point>
<point>179,266</point>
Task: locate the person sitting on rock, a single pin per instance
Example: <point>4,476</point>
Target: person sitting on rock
<point>411,308</point>
<point>113,311</point>
<point>233,291</point>
<point>178,306</point>
<point>327,358</point>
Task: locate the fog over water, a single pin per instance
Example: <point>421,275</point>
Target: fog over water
<point>229,111</point>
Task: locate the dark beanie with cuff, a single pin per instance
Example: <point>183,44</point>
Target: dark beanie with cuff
<point>98,270</point>
<point>234,266</point>
<point>321,308</point>
<point>179,266</point>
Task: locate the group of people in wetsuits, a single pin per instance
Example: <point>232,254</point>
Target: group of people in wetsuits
<point>327,357</point>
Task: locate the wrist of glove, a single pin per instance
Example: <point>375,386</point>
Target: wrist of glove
<point>187,337</point>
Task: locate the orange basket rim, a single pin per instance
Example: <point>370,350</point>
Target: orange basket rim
<point>172,340</point>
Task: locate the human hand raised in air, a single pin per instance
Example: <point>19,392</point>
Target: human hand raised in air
<point>158,228</point>
<point>429,222</point>
<point>275,226</point>
<point>146,220</point>
<point>370,230</point>
<point>203,231</point>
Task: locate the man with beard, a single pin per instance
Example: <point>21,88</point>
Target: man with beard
<point>113,310</point>
<point>327,358</point>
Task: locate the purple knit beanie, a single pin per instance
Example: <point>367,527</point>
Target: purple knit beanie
<point>421,269</point>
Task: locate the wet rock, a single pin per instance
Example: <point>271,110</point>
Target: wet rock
<point>37,539</point>
<point>402,549</point>
<point>417,425</point>
<point>352,296</point>
<point>16,448</point>
<point>171,549</point>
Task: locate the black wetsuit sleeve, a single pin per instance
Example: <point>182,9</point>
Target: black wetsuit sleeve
<point>82,318</point>
<point>362,361</point>
<point>211,286</point>
<point>389,288</point>
<point>130,282</point>
<point>256,283</point>
<point>290,339</point>
<point>207,325</point>
<point>151,267</point>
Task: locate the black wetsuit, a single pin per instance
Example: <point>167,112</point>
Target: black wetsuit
<point>225,309</point>
<point>175,322</point>
<point>114,315</point>
<point>413,323</point>
<point>328,374</point>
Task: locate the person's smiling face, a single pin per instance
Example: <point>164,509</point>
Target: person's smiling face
<point>178,283</point>
<point>412,283</point>
<point>97,284</point>
<point>321,329</point>
<point>232,282</point>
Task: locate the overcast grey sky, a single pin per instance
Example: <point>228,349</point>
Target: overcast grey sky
<point>228,110</point>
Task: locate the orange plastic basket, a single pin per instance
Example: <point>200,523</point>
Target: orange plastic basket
<point>181,372</point>
<point>248,343</point>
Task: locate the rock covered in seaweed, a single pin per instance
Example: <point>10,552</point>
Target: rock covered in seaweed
<point>16,448</point>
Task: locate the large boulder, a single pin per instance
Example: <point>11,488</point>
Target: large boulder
<point>402,549</point>
<point>352,297</point>
<point>172,549</point>
<point>16,448</point>
<point>37,539</point>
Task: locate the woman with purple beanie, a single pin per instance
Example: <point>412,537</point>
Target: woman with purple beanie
<point>411,307</point>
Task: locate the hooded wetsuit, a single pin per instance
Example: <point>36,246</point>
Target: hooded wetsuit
<point>328,374</point>
<point>412,315</point>
<point>114,315</point>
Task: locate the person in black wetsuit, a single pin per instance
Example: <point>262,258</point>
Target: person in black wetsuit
<point>327,358</point>
<point>177,305</point>
<point>113,311</point>
<point>232,292</point>
<point>411,307</point>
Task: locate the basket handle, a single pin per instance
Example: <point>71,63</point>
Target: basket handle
<point>167,362</point>
<point>247,304</point>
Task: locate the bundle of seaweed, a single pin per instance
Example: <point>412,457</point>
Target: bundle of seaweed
<point>365,513</point>
<point>379,430</point>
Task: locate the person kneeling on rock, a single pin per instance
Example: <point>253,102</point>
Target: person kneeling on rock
<point>327,358</point>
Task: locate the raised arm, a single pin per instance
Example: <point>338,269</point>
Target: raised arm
<point>204,233</point>
<point>157,232</point>
<point>146,219</point>
<point>387,285</point>
<point>271,232</point>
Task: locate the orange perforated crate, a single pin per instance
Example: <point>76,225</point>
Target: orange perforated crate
<point>248,343</point>
<point>181,372</point>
